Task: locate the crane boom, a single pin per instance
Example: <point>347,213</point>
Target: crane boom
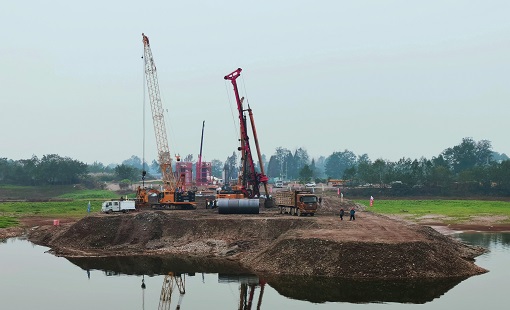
<point>164,156</point>
<point>199,179</point>
<point>174,194</point>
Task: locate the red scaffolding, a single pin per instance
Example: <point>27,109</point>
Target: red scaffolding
<point>186,168</point>
<point>204,173</point>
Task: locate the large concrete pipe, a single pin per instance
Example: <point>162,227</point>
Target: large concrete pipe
<point>238,206</point>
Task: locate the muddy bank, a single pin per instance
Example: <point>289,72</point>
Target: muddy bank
<point>372,247</point>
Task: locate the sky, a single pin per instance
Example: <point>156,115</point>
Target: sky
<point>389,79</point>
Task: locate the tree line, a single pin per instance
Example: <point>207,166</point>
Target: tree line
<point>470,166</point>
<point>51,169</point>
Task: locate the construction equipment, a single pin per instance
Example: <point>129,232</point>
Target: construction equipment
<point>296,202</point>
<point>246,293</point>
<point>247,286</point>
<point>244,196</point>
<point>203,170</point>
<point>169,282</point>
<point>336,182</point>
<point>173,194</point>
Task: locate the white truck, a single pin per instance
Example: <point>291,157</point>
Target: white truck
<point>118,206</point>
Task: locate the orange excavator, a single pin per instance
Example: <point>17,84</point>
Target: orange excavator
<point>173,193</point>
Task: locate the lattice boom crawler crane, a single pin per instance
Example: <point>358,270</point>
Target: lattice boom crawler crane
<point>173,195</point>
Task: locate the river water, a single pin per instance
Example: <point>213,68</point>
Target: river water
<point>31,278</point>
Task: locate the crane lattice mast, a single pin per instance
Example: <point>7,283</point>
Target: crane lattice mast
<point>164,156</point>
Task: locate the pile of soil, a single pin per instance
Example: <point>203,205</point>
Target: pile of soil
<point>371,247</point>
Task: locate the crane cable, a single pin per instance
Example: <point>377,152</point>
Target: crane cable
<point>143,120</point>
<point>246,93</point>
<point>236,126</point>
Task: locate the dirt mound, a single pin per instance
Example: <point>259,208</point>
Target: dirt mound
<point>373,246</point>
<point>439,257</point>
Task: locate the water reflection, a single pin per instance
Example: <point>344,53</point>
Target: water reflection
<point>321,289</point>
<point>313,289</point>
<point>486,240</point>
<point>156,265</point>
<point>170,282</point>
<point>248,284</point>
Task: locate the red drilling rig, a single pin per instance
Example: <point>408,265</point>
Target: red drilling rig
<point>244,196</point>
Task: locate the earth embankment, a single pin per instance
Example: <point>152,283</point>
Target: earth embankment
<point>371,247</point>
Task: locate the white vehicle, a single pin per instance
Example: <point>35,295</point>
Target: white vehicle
<point>311,184</point>
<point>278,184</point>
<point>118,206</point>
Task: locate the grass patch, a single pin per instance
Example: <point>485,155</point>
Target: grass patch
<point>49,209</point>
<point>458,210</point>
<point>6,222</point>
<point>48,201</point>
<point>13,192</point>
<point>89,194</point>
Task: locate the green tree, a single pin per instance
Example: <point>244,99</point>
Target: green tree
<point>134,161</point>
<point>127,172</point>
<point>350,173</point>
<point>230,168</point>
<point>379,174</point>
<point>279,163</point>
<point>500,174</point>
<point>97,167</point>
<point>468,154</point>
<point>305,174</point>
<point>314,169</point>
<point>440,176</point>
<point>55,169</point>
<point>155,168</point>
<point>216,168</point>
<point>301,159</point>
<point>499,157</point>
<point>320,167</point>
<point>338,162</point>
<point>29,171</point>
<point>364,167</point>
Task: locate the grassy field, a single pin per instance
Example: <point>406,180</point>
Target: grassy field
<point>76,208</point>
<point>12,192</point>
<point>54,202</point>
<point>457,210</point>
<point>76,201</point>
<point>6,221</point>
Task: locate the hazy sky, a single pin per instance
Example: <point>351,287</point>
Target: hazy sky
<point>391,79</point>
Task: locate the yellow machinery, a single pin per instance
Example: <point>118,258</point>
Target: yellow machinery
<point>173,194</point>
